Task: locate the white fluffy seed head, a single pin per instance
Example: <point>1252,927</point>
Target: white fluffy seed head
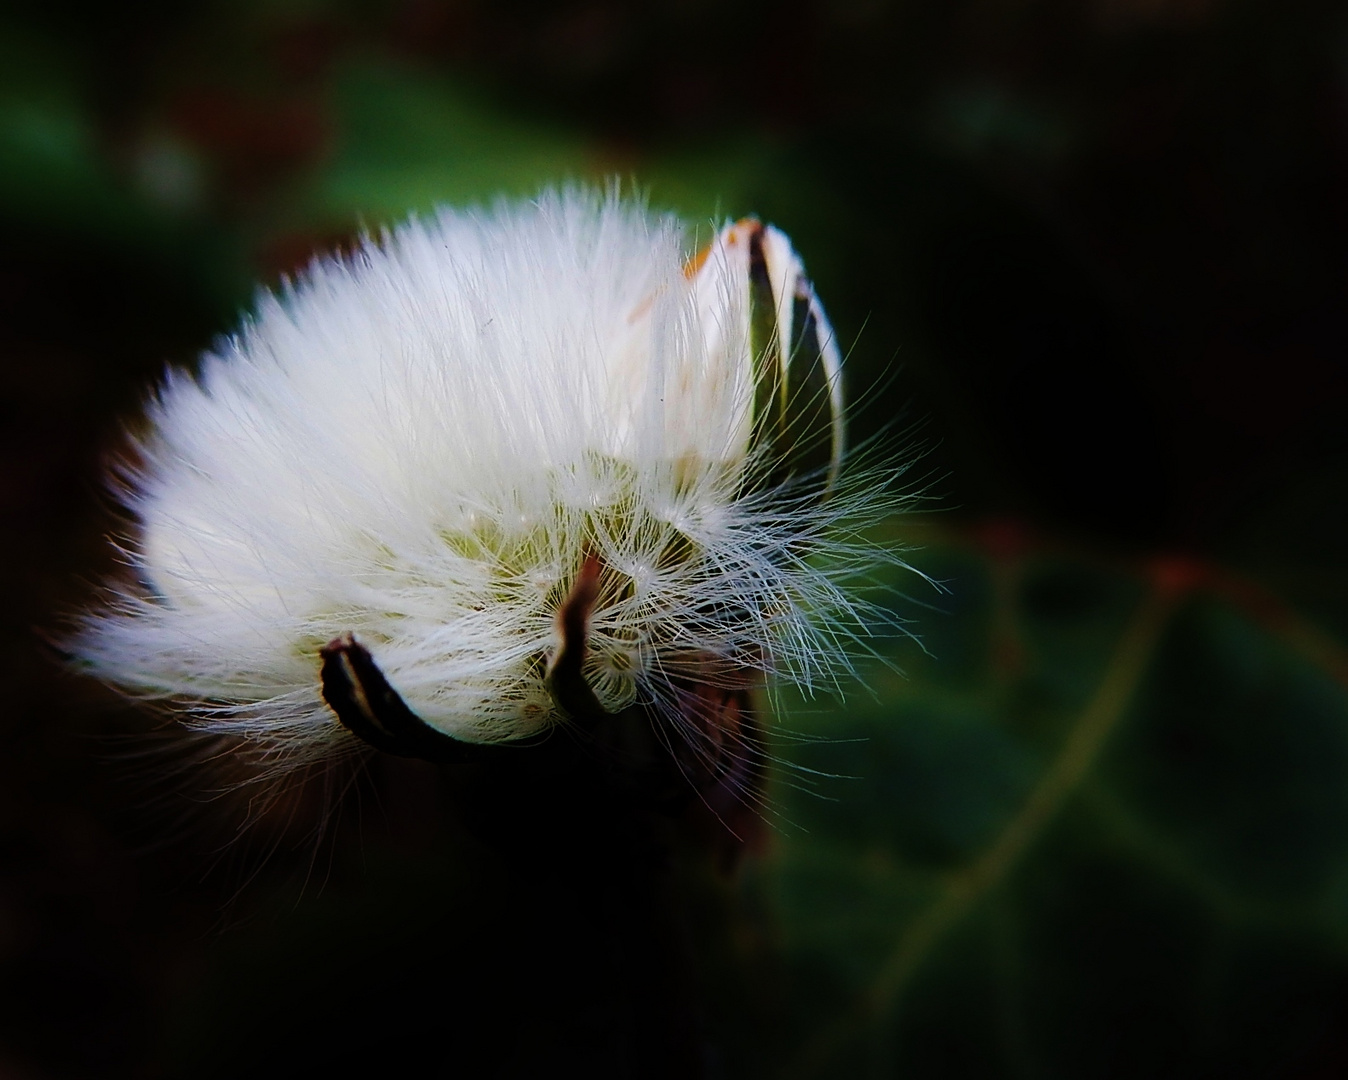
<point>421,444</point>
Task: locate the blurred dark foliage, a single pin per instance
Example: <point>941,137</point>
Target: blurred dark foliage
<point>1090,255</point>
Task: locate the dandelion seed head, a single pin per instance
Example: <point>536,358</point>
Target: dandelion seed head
<point>419,445</point>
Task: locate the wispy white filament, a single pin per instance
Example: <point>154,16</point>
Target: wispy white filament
<point>421,444</point>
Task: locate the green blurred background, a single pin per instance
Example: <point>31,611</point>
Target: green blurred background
<point>1089,258</point>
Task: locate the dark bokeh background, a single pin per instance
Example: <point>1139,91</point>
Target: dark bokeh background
<point>1093,258</point>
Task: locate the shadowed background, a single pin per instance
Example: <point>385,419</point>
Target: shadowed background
<point>1091,256</point>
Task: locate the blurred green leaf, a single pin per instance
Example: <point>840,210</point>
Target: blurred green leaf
<point>1110,837</point>
<point>52,171</point>
<point>409,141</point>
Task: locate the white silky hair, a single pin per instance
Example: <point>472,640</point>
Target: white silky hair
<point>421,443</point>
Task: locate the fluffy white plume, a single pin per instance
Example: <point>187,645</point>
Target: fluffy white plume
<point>421,446</point>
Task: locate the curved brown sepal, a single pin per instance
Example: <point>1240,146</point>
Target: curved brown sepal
<point>357,691</point>
<point>566,680</point>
